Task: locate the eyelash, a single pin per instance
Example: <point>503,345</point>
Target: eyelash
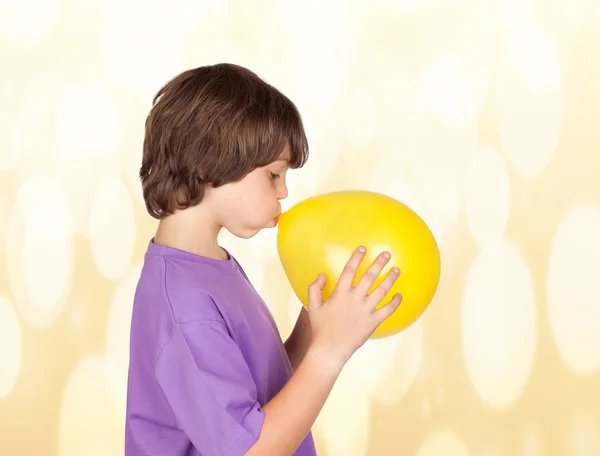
<point>275,176</point>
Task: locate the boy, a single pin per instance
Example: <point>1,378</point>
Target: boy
<point>209,374</point>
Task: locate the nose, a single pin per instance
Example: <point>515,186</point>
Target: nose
<point>282,191</point>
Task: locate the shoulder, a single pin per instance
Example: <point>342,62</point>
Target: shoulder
<point>168,296</point>
<point>185,288</point>
<point>189,290</point>
<point>172,290</point>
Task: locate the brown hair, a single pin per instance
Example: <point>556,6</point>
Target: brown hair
<point>211,126</point>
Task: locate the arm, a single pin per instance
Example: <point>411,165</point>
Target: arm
<point>338,328</point>
<point>291,413</point>
<point>299,340</point>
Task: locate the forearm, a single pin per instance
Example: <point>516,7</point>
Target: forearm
<point>290,415</point>
<point>299,340</point>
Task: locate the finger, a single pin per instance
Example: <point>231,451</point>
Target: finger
<point>349,272</point>
<point>370,276</point>
<point>386,311</point>
<point>315,292</point>
<point>384,287</point>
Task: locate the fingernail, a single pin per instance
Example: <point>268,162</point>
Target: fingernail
<point>361,249</point>
<point>386,255</point>
<point>396,270</point>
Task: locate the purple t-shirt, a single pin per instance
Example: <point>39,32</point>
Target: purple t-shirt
<point>205,356</point>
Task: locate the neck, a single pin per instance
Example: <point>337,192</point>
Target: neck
<point>193,231</point>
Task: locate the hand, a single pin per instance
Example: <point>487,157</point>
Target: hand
<point>347,319</point>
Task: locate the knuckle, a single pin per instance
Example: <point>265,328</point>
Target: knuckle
<point>382,290</point>
<point>391,279</point>
<point>348,269</point>
<point>370,276</point>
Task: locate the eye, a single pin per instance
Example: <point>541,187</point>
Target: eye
<point>275,176</point>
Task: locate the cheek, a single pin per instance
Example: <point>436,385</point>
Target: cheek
<point>265,202</point>
<point>259,196</point>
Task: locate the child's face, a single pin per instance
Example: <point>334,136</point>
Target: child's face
<point>251,204</point>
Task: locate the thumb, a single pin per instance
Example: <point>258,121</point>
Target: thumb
<point>315,292</point>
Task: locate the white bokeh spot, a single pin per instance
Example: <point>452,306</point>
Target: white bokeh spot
<point>86,141</point>
<point>112,226</point>
<point>11,347</point>
<point>529,103</point>
<point>573,289</point>
<point>583,436</point>
<point>499,324</point>
<point>449,92</point>
<point>147,56</point>
<point>28,22</point>
<point>40,249</point>
<point>344,419</point>
<point>398,365</point>
<point>532,55</point>
<point>91,418</point>
<point>443,442</point>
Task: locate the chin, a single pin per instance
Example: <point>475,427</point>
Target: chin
<point>244,233</point>
<point>249,234</point>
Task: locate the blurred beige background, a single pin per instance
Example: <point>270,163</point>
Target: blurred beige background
<point>484,116</point>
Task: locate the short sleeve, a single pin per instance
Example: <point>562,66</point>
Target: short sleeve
<point>208,385</point>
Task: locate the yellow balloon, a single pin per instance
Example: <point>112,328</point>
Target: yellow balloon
<point>319,234</point>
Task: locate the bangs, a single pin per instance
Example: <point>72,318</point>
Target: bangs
<point>277,123</point>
